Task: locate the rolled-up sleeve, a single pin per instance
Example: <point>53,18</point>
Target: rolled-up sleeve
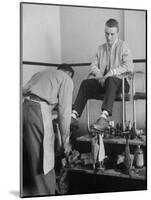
<point>64,109</point>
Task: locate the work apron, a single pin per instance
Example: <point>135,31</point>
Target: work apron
<point>49,137</point>
<point>48,141</point>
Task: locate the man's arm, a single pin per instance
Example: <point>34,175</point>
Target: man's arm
<point>126,63</point>
<point>64,109</point>
<point>94,70</point>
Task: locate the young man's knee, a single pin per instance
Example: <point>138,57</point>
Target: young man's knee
<point>113,81</point>
<point>110,79</point>
<point>85,83</point>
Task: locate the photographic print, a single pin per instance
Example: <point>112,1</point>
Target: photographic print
<point>83,99</point>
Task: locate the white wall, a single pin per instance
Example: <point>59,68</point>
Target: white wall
<point>29,70</point>
<point>135,35</point>
<point>135,32</point>
<point>63,34</point>
<point>41,33</point>
<point>82,30</point>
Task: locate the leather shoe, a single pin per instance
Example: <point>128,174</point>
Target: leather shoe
<point>100,124</point>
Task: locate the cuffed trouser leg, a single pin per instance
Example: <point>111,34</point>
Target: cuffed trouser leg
<point>89,89</point>
<point>111,88</point>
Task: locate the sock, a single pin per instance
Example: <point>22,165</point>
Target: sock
<point>105,114</point>
<point>75,115</point>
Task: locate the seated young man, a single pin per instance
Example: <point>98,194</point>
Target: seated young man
<point>112,60</point>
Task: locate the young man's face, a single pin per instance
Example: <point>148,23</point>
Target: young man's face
<point>111,34</point>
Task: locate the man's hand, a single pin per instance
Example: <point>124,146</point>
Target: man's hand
<point>90,76</point>
<point>71,159</point>
<point>94,70</point>
<point>101,81</point>
<point>68,150</point>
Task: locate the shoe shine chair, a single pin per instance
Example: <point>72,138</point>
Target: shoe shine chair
<point>124,97</point>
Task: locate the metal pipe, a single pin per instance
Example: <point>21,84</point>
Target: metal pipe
<point>88,116</point>
<point>123,103</point>
<point>134,108</point>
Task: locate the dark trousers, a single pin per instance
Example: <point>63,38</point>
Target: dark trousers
<point>92,89</point>
<point>34,182</point>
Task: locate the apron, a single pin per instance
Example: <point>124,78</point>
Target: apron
<point>48,141</point>
<point>49,137</point>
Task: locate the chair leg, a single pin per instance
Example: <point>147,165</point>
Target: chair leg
<point>88,116</point>
<point>133,104</point>
<point>123,104</point>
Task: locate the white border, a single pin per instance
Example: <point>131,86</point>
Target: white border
<point>9,90</point>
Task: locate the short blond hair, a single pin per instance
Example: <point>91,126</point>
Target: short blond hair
<point>112,23</point>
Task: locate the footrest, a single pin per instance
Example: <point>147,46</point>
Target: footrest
<point>94,131</point>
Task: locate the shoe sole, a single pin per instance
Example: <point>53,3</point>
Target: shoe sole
<point>96,130</point>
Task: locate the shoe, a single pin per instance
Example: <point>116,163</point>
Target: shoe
<point>74,119</point>
<point>100,124</point>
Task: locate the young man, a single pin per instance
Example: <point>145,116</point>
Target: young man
<point>41,94</point>
<point>112,60</point>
